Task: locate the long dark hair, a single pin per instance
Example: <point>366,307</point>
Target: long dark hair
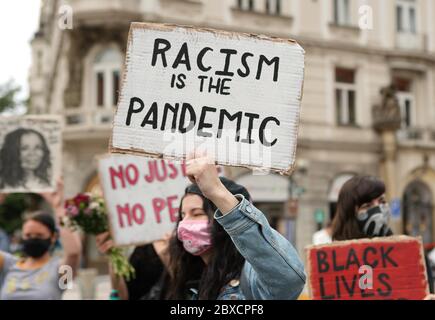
<point>354,193</point>
<point>11,172</point>
<point>225,263</point>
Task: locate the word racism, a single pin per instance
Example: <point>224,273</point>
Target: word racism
<point>398,270</point>
<point>141,193</point>
<point>162,46</point>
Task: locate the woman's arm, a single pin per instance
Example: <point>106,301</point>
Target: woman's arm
<point>2,261</point>
<point>274,269</point>
<point>6,262</point>
<point>104,244</point>
<point>70,240</point>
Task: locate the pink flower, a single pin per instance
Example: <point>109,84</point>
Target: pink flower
<point>87,211</point>
<point>68,203</point>
<point>72,211</point>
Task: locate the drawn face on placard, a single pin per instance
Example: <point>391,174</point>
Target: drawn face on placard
<point>31,151</point>
<point>25,159</point>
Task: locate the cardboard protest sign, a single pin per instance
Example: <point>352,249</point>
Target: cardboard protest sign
<point>30,153</point>
<point>142,196</point>
<point>390,268</point>
<point>236,95</point>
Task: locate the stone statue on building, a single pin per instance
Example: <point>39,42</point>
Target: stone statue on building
<point>386,116</point>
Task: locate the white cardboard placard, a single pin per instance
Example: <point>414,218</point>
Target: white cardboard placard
<point>30,153</point>
<point>248,85</point>
<point>142,196</point>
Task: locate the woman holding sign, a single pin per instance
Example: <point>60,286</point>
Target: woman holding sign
<point>223,247</point>
<point>363,212</point>
<point>225,242</point>
<point>148,262</point>
<point>39,275</point>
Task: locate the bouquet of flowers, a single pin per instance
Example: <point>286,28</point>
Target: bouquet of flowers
<point>87,212</point>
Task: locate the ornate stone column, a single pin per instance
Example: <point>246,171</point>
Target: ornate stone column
<point>386,121</point>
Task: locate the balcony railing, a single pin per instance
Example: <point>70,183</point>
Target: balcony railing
<point>411,41</point>
<point>417,136</point>
<point>85,120</point>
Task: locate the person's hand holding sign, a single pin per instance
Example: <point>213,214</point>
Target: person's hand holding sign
<point>55,198</point>
<point>201,170</point>
<point>70,240</point>
<point>104,242</point>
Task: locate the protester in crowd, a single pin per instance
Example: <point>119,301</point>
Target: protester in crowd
<point>224,248</point>
<point>323,236</point>
<point>148,262</point>
<point>221,236</point>
<point>363,212</point>
<point>37,275</point>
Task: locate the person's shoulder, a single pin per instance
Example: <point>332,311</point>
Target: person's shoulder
<point>55,260</point>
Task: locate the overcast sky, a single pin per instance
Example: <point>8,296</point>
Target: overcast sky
<point>18,22</point>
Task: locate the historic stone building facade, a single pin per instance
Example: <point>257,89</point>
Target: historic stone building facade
<point>343,129</point>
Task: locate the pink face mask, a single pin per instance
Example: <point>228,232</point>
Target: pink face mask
<point>195,235</point>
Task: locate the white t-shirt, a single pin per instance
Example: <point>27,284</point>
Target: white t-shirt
<point>321,237</point>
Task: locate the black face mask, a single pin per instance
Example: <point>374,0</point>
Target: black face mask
<point>374,222</point>
<point>35,247</point>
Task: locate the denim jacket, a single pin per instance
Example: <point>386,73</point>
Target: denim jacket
<point>273,269</point>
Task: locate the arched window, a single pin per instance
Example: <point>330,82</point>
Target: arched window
<point>417,211</point>
<point>106,77</point>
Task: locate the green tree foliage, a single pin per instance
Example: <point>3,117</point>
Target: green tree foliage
<point>8,96</point>
<point>14,208</point>
<point>11,212</point>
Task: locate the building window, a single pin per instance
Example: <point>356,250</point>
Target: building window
<point>417,211</point>
<point>342,12</point>
<point>115,91</point>
<point>39,63</point>
<point>107,65</point>
<point>345,96</point>
<point>406,101</point>
<point>247,5</point>
<point>406,11</point>
<point>273,7</point>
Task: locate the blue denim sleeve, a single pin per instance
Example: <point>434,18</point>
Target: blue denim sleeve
<point>273,269</point>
